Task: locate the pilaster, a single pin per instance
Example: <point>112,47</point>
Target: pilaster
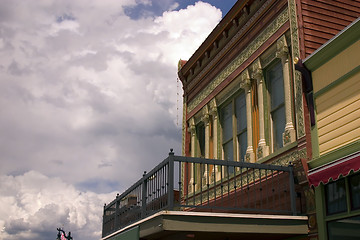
<point>246,85</point>
<point>192,130</point>
<point>263,148</point>
<point>282,52</point>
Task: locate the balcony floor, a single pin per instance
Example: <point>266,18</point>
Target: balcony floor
<point>207,225</point>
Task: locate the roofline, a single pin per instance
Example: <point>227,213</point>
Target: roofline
<point>215,33</point>
<point>332,47</point>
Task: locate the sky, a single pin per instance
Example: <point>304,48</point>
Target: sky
<point>89,99</point>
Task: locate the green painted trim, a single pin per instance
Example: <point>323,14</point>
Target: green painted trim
<point>322,218</point>
<point>315,138</point>
<point>335,154</point>
<point>337,81</point>
<point>343,215</point>
<point>320,211</point>
<point>130,234</point>
<point>348,196</point>
<point>278,152</point>
<point>334,46</point>
<point>235,225</point>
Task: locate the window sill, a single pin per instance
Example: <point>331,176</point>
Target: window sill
<point>277,152</point>
<point>346,214</point>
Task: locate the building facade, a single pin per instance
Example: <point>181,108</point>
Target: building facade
<point>248,133</point>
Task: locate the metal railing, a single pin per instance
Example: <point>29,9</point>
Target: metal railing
<point>198,184</point>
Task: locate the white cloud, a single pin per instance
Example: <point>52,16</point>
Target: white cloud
<point>67,25</point>
<point>88,102</point>
<point>32,206</point>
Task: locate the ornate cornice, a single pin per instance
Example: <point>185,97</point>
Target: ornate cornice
<point>232,41</point>
<point>279,21</point>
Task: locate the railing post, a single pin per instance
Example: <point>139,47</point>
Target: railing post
<point>143,199</point>
<point>171,180</point>
<point>104,220</point>
<point>292,189</point>
<point>117,206</point>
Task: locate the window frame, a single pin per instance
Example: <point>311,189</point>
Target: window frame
<point>234,125</point>
<point>271,110</point>
<point>350,212</point>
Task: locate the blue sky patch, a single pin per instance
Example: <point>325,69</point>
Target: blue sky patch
<point>157,7</point>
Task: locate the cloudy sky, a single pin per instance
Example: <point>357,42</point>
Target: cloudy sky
<point>89,99</point>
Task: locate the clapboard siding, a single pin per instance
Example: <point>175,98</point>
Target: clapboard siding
<point>338,115</point>
<point>322,19</point>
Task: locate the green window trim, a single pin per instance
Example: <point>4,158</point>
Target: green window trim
<point>327,222</point>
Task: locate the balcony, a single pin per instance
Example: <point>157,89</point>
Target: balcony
<point>189,184</point>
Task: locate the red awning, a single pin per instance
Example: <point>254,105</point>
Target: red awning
<point>335,169</point>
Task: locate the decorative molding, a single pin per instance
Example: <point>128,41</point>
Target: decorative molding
<point>260,152</point>
<point>242,57</point>
<point>287,159</point>
<point>213,108</point>
<point>287,137</point>
<point>234,39</point>
<point>192,128</point>
<point>205,117</point>
<point>282,50</point>
<point>257,71</point>
<point>245,80</point>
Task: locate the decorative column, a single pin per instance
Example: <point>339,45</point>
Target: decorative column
<point>206,120</point>
<point>214,113</point>
<point>215,173</point>
<point>282,52</point>
<point>246,85</point>
<point>192,130</point>
<point>263,149</point>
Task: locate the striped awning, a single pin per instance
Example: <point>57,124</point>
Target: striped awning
<point>335,169</point>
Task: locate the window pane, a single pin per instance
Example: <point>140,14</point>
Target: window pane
<point>278,119</point>
<point>336,197</point>
<point>276,85</point>
<point>344,229</point>
<point>355,191</point>
<point>240,106</point>
<point>242,139</point>
<point>226,118</point>
<point>200,132</point>
<point>228,151</point>
<point>229,155</point>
